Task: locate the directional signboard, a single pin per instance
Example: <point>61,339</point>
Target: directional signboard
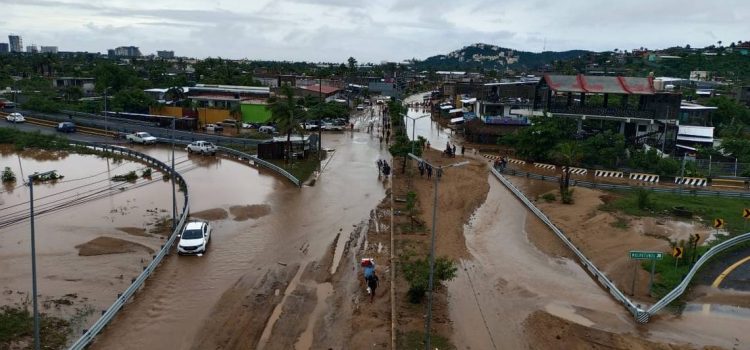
<point>677,252</point>
<point>642,255</point>
<point>746,213</point>
<point>718,223</point>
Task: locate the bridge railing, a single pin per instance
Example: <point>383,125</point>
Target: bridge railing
<point>136,283</point>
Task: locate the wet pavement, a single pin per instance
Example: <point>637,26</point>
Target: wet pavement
<point>426,127</point>
<point>302,224</point>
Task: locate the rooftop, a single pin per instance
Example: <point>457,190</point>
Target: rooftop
<point>600,84</point>
<point>322,89</point>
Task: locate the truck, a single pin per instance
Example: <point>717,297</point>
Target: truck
<point>141,137</point>
<point>202,147</point>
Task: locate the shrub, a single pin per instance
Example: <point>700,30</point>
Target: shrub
<point>146,173</point>
<point>549,197</point>
<point>8,175</point>
<point>644,199</point>
<point>566,196</point>
<point>417,274</point>
<point>130,177</point>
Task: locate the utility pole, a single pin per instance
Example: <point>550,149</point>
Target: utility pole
<point>174,193</point>
<point>106,125</point>
<point>37,338</point>
<point>438,171</point>
<point>320,123</point>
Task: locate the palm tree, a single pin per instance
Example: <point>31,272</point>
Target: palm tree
<point>568,154</point>
<point>287,115</point>
<point>175,94</point>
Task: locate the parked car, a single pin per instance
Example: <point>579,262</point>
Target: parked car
<point>229,123</point>
<point>194,238</point>
<point>361,108</point>
<point>202,147</point>
<point>250,126</point>
<point>15,118</point>
<point>310,126</point>
<point>141,137</point>
<point>332,127</point>
<point>213,127</point>
<point>66,127</point>
<point>268,129</point>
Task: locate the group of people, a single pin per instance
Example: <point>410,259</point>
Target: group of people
<point>501,163</point>
<point>450,150</point>
<point>383,167</point>
<point>424,168</point>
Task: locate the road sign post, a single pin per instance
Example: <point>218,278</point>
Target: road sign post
<point>646,255</point>
<point>746,216</point>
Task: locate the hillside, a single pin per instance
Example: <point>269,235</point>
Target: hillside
<point>485,56</point>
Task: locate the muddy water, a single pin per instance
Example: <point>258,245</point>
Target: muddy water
<point>302,225</point>
<point>102,208</point>
<point>426,127</point>
<point>508,278</point>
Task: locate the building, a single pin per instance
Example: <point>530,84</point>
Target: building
<point>329,93</point>
<point>695,126</point>
<point>48,49</point>
<point>16,43</point>
<point>124,51</point>
<point>4,48</point>
<point>32,49</point>
<point>385,88</point>
<point>165,54</point>
<point>86,84</point>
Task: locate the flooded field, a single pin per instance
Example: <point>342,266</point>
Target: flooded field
<point>92,234</point>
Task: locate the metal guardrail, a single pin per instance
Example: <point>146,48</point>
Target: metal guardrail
<point>684,190</point>
<point>638,313</point>
<point>680,289</point>
<point>642,316</point>
<point>136,283</point>
<point>242,155</point>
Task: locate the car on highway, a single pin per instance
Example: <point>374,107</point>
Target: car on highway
<point>194,238</point>
<point>309,126</point>
<point>229,123</point>
<point>66,127</point>
<point>213,127</point>
<point>202,147</point>
<point>15,118</point>
<point>250,125</point>
<point>141,137</point>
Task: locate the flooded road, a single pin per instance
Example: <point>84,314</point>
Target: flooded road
<point>508,278</point>
<point>426,127</point>
<point>301,225</point>
<point>83,206</point>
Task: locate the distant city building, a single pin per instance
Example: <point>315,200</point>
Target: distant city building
<point>48,49</point>
<point>124,51</point>
<point>165,54</point>
<point>16,44</point>
<point>111,53</point>
<point>32,49</point>
<point>4,48</point>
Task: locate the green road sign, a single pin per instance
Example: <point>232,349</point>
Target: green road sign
<point>640,255</point>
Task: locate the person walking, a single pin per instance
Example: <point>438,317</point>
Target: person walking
<point>462,150</point>
<point>372,285</point>
<point>429,171</point>
<point>420,165</point>
<point>454,150</point>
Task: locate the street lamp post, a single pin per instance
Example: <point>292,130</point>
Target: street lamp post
<point>174,194</point>
<point>32,177</point>
<point>106,125</point>
<point>439,169</point>
<point>413,128</point>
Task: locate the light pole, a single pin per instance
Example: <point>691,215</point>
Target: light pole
<point>106,125</point>
<point>32,177</point>
<point>413,128</point>
<point>174,194</point>
<point>439,170</point>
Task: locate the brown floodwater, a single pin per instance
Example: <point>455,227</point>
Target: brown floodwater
<point>81,207</point>
<point>507,278</point>
<point>302,224</point>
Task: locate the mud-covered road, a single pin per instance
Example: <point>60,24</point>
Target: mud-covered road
<point>263,254</point>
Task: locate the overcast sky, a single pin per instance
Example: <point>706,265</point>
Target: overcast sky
<point>371,31</point>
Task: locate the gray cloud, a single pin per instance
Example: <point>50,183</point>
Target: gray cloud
<point>332,30</point>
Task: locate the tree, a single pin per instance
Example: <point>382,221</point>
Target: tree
<point>352,66</point>
<point>175,94</point>
<point>236,111</point>
<point>132,100</point>
<point>286,114</point>
<point>568,155</point>
<point>72,93</point>
<point>534,142</point>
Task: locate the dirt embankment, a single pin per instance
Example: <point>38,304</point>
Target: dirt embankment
<point>108,245</point>
<point>461,190</point>
<point>211,214</point>
<point>604,237</point>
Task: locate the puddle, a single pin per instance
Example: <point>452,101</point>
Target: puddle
<point>322,292</point>
<point>567,312</point>
<point>277,310</point>
<point>338,252</point>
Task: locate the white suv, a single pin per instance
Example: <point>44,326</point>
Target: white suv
<point>202,147</point>
<point>194,238</point>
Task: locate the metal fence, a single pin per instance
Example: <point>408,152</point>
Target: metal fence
<point>725,169</point>
<point>600,276</point>
<point>606,186</point>
<point>136,283</point>
<point>641,315</point>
